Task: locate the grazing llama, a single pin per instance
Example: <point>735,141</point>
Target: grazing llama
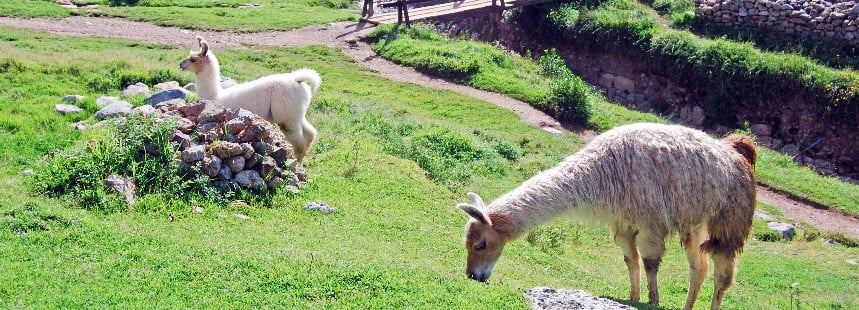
<point>280,98</point>
<point>645,181</point>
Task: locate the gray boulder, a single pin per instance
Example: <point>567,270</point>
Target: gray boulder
<point>136,89</point>
<point>227,82</point>
<point>320,206</point>
<point>544,298</point>
<point>118,108</point>
<point>165,95</point>
<point>123,185</point>
<point>67,109</point>
<point>787,231</point>
<point>73,98</point>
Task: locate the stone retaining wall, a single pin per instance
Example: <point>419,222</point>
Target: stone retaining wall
<point>831,19</point>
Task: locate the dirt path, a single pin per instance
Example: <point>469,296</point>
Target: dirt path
<point>342,35</point>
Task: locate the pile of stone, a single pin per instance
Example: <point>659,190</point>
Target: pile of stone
<point>232,147</point>
<point>831,19</point>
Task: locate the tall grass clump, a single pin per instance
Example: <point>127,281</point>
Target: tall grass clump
<point>569,100</point>
<point>135,147</point>
<point>448,156</point>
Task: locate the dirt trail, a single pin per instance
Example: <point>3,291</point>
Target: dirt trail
<point>343,35</point>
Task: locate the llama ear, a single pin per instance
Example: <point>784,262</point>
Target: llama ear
<point>475,213</point>
<point>204,46</point>
<point>476,200</point>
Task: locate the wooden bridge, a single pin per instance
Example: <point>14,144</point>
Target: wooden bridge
<point>404,14</point>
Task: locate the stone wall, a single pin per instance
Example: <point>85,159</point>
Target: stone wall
<point>831,19</point>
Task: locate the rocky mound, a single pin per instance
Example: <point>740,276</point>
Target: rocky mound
<point>545,298</point>
<point>233,147</point>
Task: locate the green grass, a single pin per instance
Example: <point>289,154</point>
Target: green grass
<point>395,240</point>
<point>476,64</point>
<point>198,14</point>
<point>780,172</point>
<point>32,8</point>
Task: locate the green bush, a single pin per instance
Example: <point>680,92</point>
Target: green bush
<point>569,100</point>
<point>136,147</point>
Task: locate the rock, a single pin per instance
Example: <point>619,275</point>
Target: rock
<point>764,216</point>
<point>697,116</point>
<point>144,110</point>
<point>212,165</point>
<point>119,108</point>
<point>622,83</point>
<point>544,298</point>
<point>72,98</point>
<point>790,150</point>
<point>182,139</point>
<point>190,87</point>
<point>185,125</point>
<point>193,108</point>
<point>136,89</point>
<point>198,210</point>
<point>80,126</point>
<point>225,173</point>
<point>762,130</point>
<point>227,149</point>
<point>249,179</point>
<point>252,161</point>
<point>280,154</point>
<point>320,206</point>
<point>167,85</point>
<point>210,131</point>
<point>247,150</point>
<point>123,185</point>
<point>852,262</point>
<point>236,163</point>
<point>241,216</point>
<point>165,95</point>
<point>212,112</point>
<point>104,101</point>
<point>267,165</point>
<point>274,183</point>
<point>193,153</point>
<point>227,82</point>
<point>28,172</point>
<point>786,230</point>
<point>67,109</point>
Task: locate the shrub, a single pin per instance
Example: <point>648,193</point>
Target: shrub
<point>137,147</point>
<point>569,92</point>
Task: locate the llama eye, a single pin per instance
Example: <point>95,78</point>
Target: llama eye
<point>480,246</point>
<point>193,60</point>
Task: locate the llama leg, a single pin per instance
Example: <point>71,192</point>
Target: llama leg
<point>309,133</point>
<point>652,246</point>
<point>625,239</point>
<point>697,263</point>
<point>723,276</point>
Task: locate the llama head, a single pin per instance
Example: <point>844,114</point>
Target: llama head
<point>483,243</point>
<point>199,61</point>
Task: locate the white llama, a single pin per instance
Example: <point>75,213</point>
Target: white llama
<point>280,98</point>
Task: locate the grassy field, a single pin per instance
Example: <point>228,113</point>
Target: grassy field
<point>229,15</point>
<point>395,240</point>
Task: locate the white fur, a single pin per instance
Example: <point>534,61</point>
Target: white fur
<point>280,98</point>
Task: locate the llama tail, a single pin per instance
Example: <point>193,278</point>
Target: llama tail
<point>308,76</point>
<point>743,145</point>
<point>730,227</point>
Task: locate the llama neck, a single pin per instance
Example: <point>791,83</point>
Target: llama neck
<point>208,82</point>
<point>567,187</point>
